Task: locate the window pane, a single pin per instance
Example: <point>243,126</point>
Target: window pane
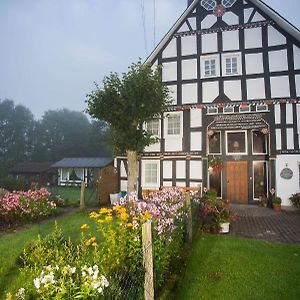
<point>259,142</point>
<point>174,124</point>
<point>260,179</point>
<point>236,142</point>
<point>151,173</point>
<point>215,143</point>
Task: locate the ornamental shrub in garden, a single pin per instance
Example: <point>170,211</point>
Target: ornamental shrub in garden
<point>19,206</point>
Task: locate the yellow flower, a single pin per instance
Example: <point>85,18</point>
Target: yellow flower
<point>87,242</point>
<point>117,207</point>
<point>94,244</point>
<point>100,221</point>
<point>94,215</point>
<point>108,218</point>
<point>85,226</point>
<point>147,216</point>
<point>129,225</point>
<point>124,216</point>
<point>92,239</point>
<point>103,211</point>
<point>135,218</point>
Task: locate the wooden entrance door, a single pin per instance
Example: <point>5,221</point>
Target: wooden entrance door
<point>237,181</point>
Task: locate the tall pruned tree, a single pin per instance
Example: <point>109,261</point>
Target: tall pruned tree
<point>125,103</point>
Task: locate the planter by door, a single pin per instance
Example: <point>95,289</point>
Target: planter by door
<point>277,207</point>
<point>224,227</point>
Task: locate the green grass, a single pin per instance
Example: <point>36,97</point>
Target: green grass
<point>71,195</point>
<point>221,267</point>
<point>12,244</point>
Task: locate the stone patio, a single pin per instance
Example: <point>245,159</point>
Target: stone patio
<point>265,224</point>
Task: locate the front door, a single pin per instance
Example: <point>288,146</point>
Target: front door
<point>237,181</point>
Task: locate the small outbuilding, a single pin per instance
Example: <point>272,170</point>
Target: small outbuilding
<point>39,172</point>
<point>73,170</point>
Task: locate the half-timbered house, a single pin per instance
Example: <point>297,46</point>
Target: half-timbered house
<point>233,70</point>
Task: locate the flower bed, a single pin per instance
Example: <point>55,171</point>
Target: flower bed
<point>116,247</point>
<point>19,207</point>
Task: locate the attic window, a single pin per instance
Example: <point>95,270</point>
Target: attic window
<point>228,3</point>
<point>209,4</point>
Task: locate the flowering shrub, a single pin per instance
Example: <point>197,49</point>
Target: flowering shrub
<point>17,207</point>
<point>214,212</point>
<point>65,283</point>
<point>120,229</point>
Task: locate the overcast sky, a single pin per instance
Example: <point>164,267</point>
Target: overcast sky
<point>52,51</point>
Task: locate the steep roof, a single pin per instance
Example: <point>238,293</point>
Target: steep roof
<point>31,168</point>
<point>83,162</point>
<point>275,16</point>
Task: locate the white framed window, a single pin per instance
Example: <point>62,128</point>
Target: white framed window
<point>151,174</point>
<point>231,64</point>
<point>215,143</point>
<point>153,127</point>
<point>228,110</point>
<point>244,109</point>
<point>174,124</point>
<point>259,142</point>
<point>210,66</point>
<point>228,3</point>
<point>208,4</point>
<point>212,110</point>
<point>260,108</point>
<point>236,142</point>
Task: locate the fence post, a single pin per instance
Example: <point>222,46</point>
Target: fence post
<point>189,216</point>
<point>148,260</point>
<point>82,193</point>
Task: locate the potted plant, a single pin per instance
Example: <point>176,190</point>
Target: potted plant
<point>295,199</point>
<point>224,218</point>
<point>276,203</point>
<point>263,200</point>
<point>216,164</point>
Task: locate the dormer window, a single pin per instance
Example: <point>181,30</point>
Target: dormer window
<point>228,3</point>
<point>209,4</point>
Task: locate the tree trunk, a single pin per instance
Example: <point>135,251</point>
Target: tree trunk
<point>132,172</point>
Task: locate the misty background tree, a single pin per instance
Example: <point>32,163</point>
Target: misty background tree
<point>126,102</point>
<point>58,134</point>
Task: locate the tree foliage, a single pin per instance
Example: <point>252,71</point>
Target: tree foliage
<point>126,102</point>
<point>59,134</point>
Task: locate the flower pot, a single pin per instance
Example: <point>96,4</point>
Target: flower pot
<point>277,207</point>
<point>224,227</point>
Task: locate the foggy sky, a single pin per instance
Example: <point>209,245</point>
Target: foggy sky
<point>52,51</point>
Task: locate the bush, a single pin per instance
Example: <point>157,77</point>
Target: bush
<point>276,200</point>
<point>20,207</point>
<point>13,184</point>
<point>213,212</point>
<point>295,199</point>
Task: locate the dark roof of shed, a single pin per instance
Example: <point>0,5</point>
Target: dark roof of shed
<point>31,167</point>
<point>83,162</point>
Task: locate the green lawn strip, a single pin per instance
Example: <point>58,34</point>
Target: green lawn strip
<point>71,195</point>
<point>12,244</point>
<point>223,267</point>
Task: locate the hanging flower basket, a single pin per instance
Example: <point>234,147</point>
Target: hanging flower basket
<point>216,164</point>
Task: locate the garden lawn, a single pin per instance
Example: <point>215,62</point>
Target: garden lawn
<point>224,267</point>
<point>12,244</point>
<point>71,195</point>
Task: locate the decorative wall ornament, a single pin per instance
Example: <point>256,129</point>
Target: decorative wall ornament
<point>286,173</point>
<point>219,11</point>
<point>216,163</point>
<point>228,28</point>
<point>210,133</point>
<point>264,131</point>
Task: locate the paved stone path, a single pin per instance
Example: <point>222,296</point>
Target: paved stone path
<point>265,224</point>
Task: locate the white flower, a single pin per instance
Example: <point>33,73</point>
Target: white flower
<point>37,283</point>
<point>95,284</point>
<point>104,281</point>
<point>100,290</point>
<point>73,270</point>
<point>90,271</point>
<point>21,293</point>
<point>56,267</point>
<point>83,274</point>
